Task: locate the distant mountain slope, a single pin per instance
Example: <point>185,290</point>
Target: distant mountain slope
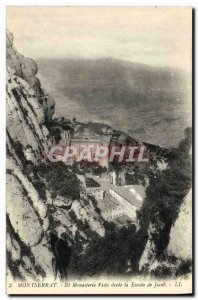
<point>147,102</point>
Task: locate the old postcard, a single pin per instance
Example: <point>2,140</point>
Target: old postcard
<point>99,150</point>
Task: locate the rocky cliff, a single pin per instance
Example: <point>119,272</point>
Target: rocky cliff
<point>25,118</point>
<point>177,256</point>
<point>180,243</point>
<point>26,68</point>
<point>36,225</point>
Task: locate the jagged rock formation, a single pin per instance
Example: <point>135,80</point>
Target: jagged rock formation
<point>180,243</point>
<point>25,117</point>
<point>149,253</point>
<point>32,220</point>
<point>26,138</point>
<point>83,211</point>
<point>179,248</point>
<point>26,69</point>
<point>27,252</point>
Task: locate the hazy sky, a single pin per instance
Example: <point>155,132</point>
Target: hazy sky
<point>155,36</point>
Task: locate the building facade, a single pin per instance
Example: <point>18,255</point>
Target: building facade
<point>96,192</point>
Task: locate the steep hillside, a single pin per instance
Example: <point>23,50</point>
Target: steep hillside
<point>40,223</point>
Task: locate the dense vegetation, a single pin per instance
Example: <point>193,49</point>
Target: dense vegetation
<point>59,179</point>
<point>114,253</point>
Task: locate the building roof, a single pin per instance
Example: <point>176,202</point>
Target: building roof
<point>134,194</point>
<point>138,190</point>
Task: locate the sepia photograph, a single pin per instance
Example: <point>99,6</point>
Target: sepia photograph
<point>99,150</point>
